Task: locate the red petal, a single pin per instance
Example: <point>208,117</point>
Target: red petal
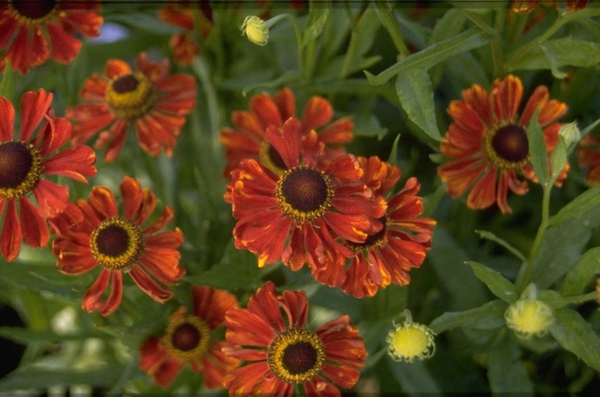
<point>10,240</point>
<point>265,108</point>
<point>286,103</point>
<point>76,163</point>
<point>7,120</point>
<point>35,229</point>
<point>318,111</point>
<point>34,106</point>
<point>265,305</point>
<point>152,355</point>
<point>116,294</point>
<point>216,365</point>
<point>168,372</point>
<point>115,68</point>
<point>92,297</point>
<point>149,286</point>
<point>211,305</point>
<point>103,201</point>
<point>131,191</point>
<point>64,46</point>
<point>286,141</point>
<point>241,381</point>
<point>247,329</point>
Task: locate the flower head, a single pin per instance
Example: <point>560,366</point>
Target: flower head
<point>247,140</point>
<point>189,338</point>
<point>529,317</point>
<point>154,102</point>
<point>24,164</point>
<point>93,234</point>
<point>292,217</point>
<point>388,255</point>
<point>26,26</point>
<point>280,354</point>
<point>410,342</point>
<point>256,30</point>
<point>487,143</point>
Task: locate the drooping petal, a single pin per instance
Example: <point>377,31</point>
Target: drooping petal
<point>7,120</point>
<point>11,237</point>
<point>34,106</point>
<point>64,46</point>
<point>35,229</point>
<point>149,286</point>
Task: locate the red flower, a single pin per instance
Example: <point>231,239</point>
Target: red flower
<point>25,160</point>
<point>149,98</point>
<point>92,233</point>
<point>281,354</point>
<point>248,140</point>
<point>25,26</point>
<point>292,217</point>
<point>589,156</point>
<point>530,5</point>
<point>487,142</point>
<point>183,46</point>
<point>386,256</point>
<point>189,339</point>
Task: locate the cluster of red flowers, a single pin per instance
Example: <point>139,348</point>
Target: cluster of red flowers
<point>300,199</point>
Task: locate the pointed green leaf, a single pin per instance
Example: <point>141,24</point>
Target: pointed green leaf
<point>581,273</point>
<point>393,158</point>
<point>492,237</point>
<point>42,378</point>
<point>537,148</point>
<point>449,25</point>
<point>577,336</point>
<point>416,96</point>
<point>432,55</point>
<point>506,371</point>
<point>496,282</point>
<point>488,316</point>
<point>558,159</point>
<point>580,206</point>
<point>28,335</point>
<point>316,28</point>
<point>556,53</point>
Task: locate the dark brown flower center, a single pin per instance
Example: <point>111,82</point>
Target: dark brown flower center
<point>112,241</point>
<point>186,337</point>
<point>304,194</point>
<point>296,355</point>
<point>15,163</point>
<point>123,84</point>
<point>510,143</point>
<point>299,358</point>
<point>372,239</point>
<point>117,243</point>
<point>34,9</point>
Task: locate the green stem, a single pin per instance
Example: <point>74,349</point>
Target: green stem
<point>526,275</point>
<point>389,22</point>
<point>299,41</point>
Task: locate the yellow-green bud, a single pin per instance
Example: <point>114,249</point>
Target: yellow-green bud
<point>529,317</point>
<point>410,342</point>
<point>256,30</point>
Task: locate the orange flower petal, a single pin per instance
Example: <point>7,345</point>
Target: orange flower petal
<point>149,286</point>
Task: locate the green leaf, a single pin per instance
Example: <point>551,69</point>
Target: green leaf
<point>432,55</point>
<point>488,316</point>
<point>315,29</point>
<point>492,237</point>
<point>28,335</point>
<point>557,53</point>
<point>506,370</point>
<point>577,336</point>
<point>368,125</point>
<point>393,158</point>
<point>496,282</point>
<point>366,30</point>
<point>581,273</point>
<point>7,86</point>
<point>555,300</point>
<point>560,249</point>
<point>558,159</point>
<point>448,26</point>
<point>580,206</point>
<point>414,378</point>
<point>40,378</point>
<point>416,96</point>
<point>537,149</point>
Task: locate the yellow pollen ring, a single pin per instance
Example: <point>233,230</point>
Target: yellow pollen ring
<point>129,257</point>
<point>28,21</point>
<point>493,156</point>
<point>204,338</point>
<point>279,345</point>
<point>299,215</point>
<point>132,104</point>
<point>266,161</point>
<point>31,179</point>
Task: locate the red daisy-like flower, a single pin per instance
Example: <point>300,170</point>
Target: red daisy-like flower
<point>248,140</point>
<point>92,233</point>
<point>280,354</point>
<point>292,216</point>
<point>25,27</point>
<point>148,98</point>
<point>589,156</point>
<point>23,162</point>
<point>190,338</point>
<point>386,256</point>
<point>181,14</point>
<point>487,142</point>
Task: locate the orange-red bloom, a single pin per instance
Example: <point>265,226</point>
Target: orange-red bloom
<point>589,156</point>
<point>281,353</point>
<point>487,142</point>
<point>190,338</point>
<point>248,140</point>
<point>25,27</point>
<point>388,255</point>
<point>181,14</point>
<point>23,162</point>
<point>148,98</point>
<point>292,217</point>
<point>92,233</point>
<point>530,5</point>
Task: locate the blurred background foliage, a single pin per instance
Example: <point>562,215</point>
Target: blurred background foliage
<point>53,346</point>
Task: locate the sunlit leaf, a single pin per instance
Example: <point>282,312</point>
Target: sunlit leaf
<point>577,336</point>
<point>499,285</point>
<point>488,316</point>
<point>580,275</point>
